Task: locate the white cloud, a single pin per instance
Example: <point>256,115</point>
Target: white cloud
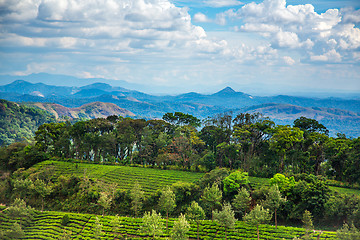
<point>288,60</point>
<point>200,17</point>
<point>300,27</point>
<point>331,56</point>
<point>222,3</point>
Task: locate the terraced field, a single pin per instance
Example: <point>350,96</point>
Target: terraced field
<point>47,225</point>
<point>150,179</point>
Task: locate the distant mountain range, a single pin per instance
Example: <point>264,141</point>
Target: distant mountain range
<point>338,115</point>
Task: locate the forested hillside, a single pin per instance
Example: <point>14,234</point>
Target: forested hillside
<point>227,167</point>
<point>19,122</point>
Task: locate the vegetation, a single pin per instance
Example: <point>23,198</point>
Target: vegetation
<point>47,225</point>
<point>137,167</point>
<point>19,122</point>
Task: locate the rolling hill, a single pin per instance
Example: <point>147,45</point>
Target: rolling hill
<point>338,115</point>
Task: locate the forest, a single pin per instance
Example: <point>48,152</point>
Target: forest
<point>225,167</point>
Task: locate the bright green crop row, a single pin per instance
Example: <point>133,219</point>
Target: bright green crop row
<point>47,225</point>
<point>150,179</point>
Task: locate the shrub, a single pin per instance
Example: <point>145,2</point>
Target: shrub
<point>65,220</point>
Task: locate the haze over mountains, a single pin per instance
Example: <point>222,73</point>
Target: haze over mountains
<point>337,114</point>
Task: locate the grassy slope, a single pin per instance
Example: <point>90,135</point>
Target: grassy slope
<point>150,179</point>
<point>47,225</point>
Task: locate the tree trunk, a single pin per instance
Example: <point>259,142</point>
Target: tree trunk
<point>197,230</point>
<point>258,232</point>
<point>42,205</point>
<point>225,233</point>
<point>275,220</point>
<point>167,219</point>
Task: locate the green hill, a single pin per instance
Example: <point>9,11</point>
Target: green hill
<point>19,122</point>
<point>150,179</point>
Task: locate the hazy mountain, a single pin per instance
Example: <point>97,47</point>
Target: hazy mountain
<point>90,110</point>
<point>284,109</point>
<point>336,120</point>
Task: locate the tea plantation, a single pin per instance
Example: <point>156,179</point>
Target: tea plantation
<point>48,225</point>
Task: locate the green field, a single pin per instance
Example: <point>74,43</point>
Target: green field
<point>47,225</point>
<point>150,179</point>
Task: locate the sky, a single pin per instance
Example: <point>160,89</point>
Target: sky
<point>262,47</point>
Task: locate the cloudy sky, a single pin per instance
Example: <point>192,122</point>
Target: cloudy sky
<point>269,46</point>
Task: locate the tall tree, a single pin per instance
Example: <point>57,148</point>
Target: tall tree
<point>274,200</point>
<point>167,202</point>
<point>104,201</point>
<point>195,213</point>
<point>258,216</point>
<point>136,195</point>
<point>212,197</point>
<point>225,217</point>
<point>180,229</point>
<point>152,224</point>
<point>241,202</point>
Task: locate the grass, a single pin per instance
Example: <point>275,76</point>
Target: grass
<point>150,179</point>
<point>47,225</point>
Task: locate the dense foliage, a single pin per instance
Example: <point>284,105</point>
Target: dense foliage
<point>248,141</point>
<point>87,172</point>
<point>19,122</point>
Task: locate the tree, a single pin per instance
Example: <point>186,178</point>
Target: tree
<point>15,232</point>
<point>307,222</point>
<point>97,228</point>
<point>195,213</point>
<point>115,223</point>
<point>19,209</point>
<point>242,201</point>
<point>167,203</point>
<point>283,140</point>
<point>225,217</point>
<point>212,197</point>
<point>152,224</point>
<point>348,233</point>
<point>136,195</point>
<point>105,201</point>
<point>258,216</point>
<point>234,181</point>
<point>274,200</point>
<point>180,228</point>
<point>43,189</point>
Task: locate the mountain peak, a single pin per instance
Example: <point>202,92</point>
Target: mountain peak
<point>227,90</point>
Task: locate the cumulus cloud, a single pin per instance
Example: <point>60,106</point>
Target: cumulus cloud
<point>222,3</point>
<point>301,27</point>
<point>74,23</point>
<point>200,17</point>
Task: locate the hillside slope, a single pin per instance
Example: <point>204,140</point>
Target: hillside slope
<point>90,110</point>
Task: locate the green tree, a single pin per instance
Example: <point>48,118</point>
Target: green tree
<point>307,223</point>
<point>235,180</point>
<point>167,202</point>
<point>225,217</point>
<point>258,216</point>
<point>115,223</point>
<point>98,228</point>
<point>348,233</point>
<point>241,202</point>
<point>104,201</point>
<point>212,197</point>
<point>283,140</point>
<point>136,195</point>
<point>180,229</point>
<point>195,213</point>
<point>43,189</point>
<point>152,224</point>
<point>15,232</point>
<point>19,209</point>
<point>274,200</point>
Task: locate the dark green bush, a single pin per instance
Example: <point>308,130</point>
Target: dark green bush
<point>65,220</point>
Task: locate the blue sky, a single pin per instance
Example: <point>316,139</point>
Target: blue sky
<point>260,47</point>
